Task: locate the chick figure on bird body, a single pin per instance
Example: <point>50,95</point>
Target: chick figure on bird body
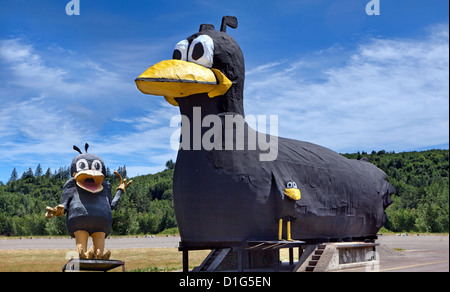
<point>87,201</point>
<point>292,193</point>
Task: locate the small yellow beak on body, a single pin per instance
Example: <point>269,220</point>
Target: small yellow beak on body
<point>176,78</point>
<point>293,193</point>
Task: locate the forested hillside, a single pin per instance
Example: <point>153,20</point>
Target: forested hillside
<point>422,183</point>
<point>421,203</point>
<point>145,208</point>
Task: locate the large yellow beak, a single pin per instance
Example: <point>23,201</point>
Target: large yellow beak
<point>89,180</point>
<point>176,78</point>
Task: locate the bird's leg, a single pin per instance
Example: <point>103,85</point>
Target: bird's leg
<point>81,238</point>
<point>280,229</point>
<point>289,229</point>
<point>98,238</point>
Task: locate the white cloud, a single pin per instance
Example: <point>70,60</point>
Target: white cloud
<point>145,141</point>
<point>27,67</point>
<point>56,72</point>
<point>264,68</point>
<point>389,94</point>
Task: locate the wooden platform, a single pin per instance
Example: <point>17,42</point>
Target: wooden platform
<point>240,255</point>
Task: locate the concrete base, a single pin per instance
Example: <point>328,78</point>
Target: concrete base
<point>338,256</point>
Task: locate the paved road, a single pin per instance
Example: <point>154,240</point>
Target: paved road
<point>417,253</point>
<point>412,254</point>
<point>111,243</point>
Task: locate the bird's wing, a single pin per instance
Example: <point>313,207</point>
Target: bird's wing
<point>68,190</point>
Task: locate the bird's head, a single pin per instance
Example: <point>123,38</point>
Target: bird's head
<point>209,64</point>
<point>292,191</point>
<point>88,170</point>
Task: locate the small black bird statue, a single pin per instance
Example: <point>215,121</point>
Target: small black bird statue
<point>87,201</point>
<point>229,194</point>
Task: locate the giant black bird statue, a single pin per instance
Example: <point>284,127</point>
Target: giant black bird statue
<point>223,195</point>
<point>88,202</point>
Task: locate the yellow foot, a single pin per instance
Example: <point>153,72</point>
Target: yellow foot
<point>80,251</point>
<point>289,239</point>
<point>98,254</point>
<point>90,253</point>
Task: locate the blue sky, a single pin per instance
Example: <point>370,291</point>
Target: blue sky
<point>334,75</point>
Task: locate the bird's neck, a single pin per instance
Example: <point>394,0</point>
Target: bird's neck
<point>199,115</point>
<point>209,106</point>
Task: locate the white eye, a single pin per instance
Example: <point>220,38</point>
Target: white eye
<point>289,185</point>
<point>96,165</point>
<point>82,164</point>
<point>180,51</point>
<point>201,51</point>
<point>294,185</point>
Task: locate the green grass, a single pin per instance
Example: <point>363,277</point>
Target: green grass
<point>385,231</point>
<point>136,259</point>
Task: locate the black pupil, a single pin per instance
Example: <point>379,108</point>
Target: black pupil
<point>176,55</point>
<point>82,165</point>
<point>198,51</point>
<point>97,165</point>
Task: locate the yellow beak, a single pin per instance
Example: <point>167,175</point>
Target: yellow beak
<point>293,193</point>
<point>89,180</point>
<point>176,78</point>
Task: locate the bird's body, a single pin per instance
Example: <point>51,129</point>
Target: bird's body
<point>232,195</point>
<point>87,211</point>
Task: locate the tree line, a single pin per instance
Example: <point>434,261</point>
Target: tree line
<point>421,203</point>
<point>145,208</point>
<point>422,183</point>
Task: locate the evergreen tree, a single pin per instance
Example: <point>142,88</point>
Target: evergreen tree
<point>122,171</point>
<point>28,174</point>
<point>170,164</point>
<point>14,175</point>
<point>38,171</point>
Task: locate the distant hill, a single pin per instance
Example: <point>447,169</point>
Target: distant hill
<point>145,208</point>
<point>421,203</point>
<point>422,183</point>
